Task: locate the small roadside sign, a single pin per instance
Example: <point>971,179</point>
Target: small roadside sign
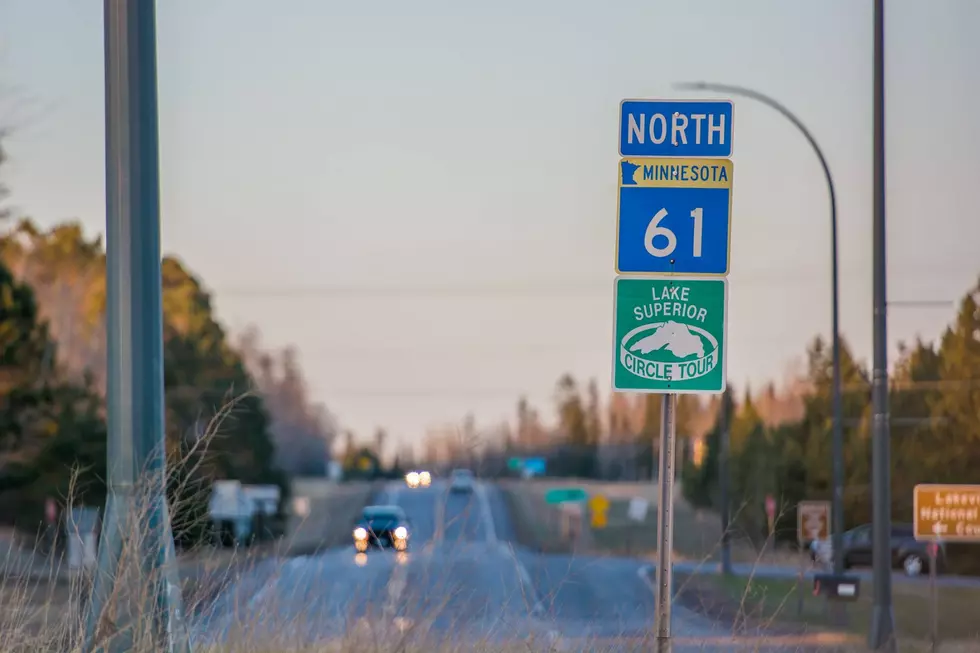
<point>301,506</point>
<point>598,507</point>
<point>599,502</point>
<point>674,216</point>
<point>676,128</point>
<point>947,513</point>
<point>812,521</point>
<point>670,335</point>
<point>638,508</point>
<point>50,510</point>
<point>565,495</point>
<point>770,511</point>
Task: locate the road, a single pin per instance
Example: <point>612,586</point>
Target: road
<point>789,572</point>
<point>463,579</point>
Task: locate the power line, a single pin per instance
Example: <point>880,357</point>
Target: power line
<point>533,289</point>
<point>456,392</point>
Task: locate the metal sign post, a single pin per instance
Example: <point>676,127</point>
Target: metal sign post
<point>933,598</point>
<point>943,513</point>
<point>812,526</point>
<point>673,254</point>
<point>665,522</point>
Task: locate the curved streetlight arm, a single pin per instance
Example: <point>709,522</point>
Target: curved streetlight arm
<point>786,113</point>
<point>837,516</point>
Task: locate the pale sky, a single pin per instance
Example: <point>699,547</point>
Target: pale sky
<point>422,196</point>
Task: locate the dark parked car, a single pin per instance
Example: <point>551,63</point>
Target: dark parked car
<point>908,554</point>
<point>382,527</point>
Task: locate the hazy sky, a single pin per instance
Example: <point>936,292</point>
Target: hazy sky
<point>442,174</point>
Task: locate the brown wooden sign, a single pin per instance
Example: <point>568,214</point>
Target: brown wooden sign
<point>950,513</point>
<point>812,521</point>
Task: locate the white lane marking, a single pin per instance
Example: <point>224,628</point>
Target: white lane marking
<point>486,514</point>
<point>507,549</point>
<point>270,584</point>
<point>391,492</point>
<point>646,576</point>
<point>396,586</point>
<point>526,584</point>
<point>440,519</point>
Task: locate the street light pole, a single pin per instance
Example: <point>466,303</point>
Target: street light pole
<point>136,598</point>
<point>882,634</point>
<point>837,451</point>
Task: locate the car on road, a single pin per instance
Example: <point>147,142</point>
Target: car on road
<point>908,554</point>
<point>382,527</point>
<point>461,481</point>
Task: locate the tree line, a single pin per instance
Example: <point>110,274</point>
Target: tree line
<point>934,406</point>
<point>780,437</point>
<point>233,410</point>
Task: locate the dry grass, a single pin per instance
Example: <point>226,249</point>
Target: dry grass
<point>753,605</point>
<point>781,601</point>
<point>44,604</point>
<point>697,533</point>
<point>39,613</point>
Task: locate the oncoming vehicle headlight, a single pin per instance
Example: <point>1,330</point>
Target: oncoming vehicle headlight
<point>360,533</point>
<point>401,532</point>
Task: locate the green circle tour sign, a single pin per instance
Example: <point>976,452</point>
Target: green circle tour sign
<point>670,334</point>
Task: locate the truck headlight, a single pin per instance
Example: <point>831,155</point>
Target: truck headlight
<point>360,533</point>
<point>401,533</point>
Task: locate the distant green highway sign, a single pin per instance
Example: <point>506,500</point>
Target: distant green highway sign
<point>565,495</point>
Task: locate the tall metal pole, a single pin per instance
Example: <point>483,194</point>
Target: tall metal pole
<point>724,484</point>
<point>837,406</point>
<point>136,600</point>
<point>882,635</point>
<point>665,521</point>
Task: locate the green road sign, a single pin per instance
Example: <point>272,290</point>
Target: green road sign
<point>670,334</point>
<point>515,464</point>
<point>565,495</point>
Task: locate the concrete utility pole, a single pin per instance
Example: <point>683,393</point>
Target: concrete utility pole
<point>136,600</point>
<point>882,635</point>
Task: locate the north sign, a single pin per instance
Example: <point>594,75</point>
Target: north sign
<point>670,335</point>
<point>674,216</point>
<point>681,128</point>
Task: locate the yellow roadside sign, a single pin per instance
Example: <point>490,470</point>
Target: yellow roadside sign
<point>599,503</point>
<point>598,506</point>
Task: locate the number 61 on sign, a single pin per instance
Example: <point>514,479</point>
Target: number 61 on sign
<point>674,216</point>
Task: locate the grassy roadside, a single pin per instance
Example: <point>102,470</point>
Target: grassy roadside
<point>535,523</point>
<point>207,572</point>
<point>50,600</point>
<point>697,533</point>
<point>778,602</point>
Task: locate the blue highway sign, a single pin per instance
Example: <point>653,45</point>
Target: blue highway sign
<point>676,128</point>
<point>674,216</point>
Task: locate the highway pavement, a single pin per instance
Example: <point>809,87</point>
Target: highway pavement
<point>464,579</point>
<point>788,572</point>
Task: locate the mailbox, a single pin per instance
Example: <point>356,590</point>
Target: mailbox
<point>837,588</point>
